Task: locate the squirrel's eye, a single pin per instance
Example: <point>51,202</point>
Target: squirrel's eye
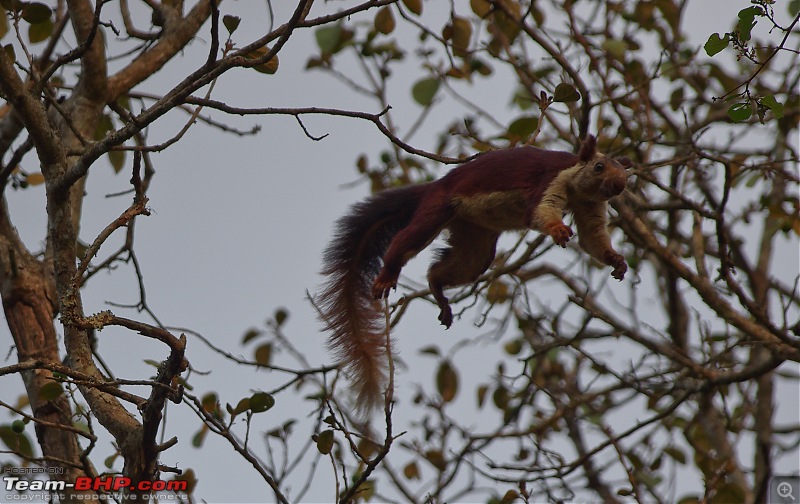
<point>599,167</point>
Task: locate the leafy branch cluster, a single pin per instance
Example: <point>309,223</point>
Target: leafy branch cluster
<point>740,40</point>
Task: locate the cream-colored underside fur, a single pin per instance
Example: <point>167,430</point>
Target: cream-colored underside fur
<point>554,200</point>
<point>498,211</point>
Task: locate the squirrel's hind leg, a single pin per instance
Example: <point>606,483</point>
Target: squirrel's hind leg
<point>425,225</point>
<point>470,252</point>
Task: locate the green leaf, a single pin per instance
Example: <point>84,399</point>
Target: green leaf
<point>566,93</point>
<point>425,90</point>
<point>513,347</point>
<point>747,21</point>
<point>15,441</point>
<point>750,12</point>
<point>261,401</point>
<point>281,314</point>
<point>263,354</point>
<point>500,397</point>
<point>793,7</point>
<point>715,43</point>
<point>461,34</point>
<point>231,22</point>
<point>411,471</point>
<point>676,99</point>
<point>499,291</point>
<point>774,105</point>
<point>210,402</point>
<point>414,6</point>
<point>481,394</point>
<point>739,112</point>
<point>117,159</point>
<point>430,350</point>
<point>40,32</point>
<point>270,67</point>
<point>123,101</point>
<point>104,125</point>
<point>730,492</point>
<point>109,461</point>
<point>752,181</point>
<point>325,441</point>
<point>328,38</point>
<point>50,391</point>
<point>200,436</point>
<point>447,381</point>
<point>242,406</point>
<point>190,478</point>
<point>677,454</point>
<point>670,13</point>
<point>36,13</point>
<point>522,98</point>
<point>481,8</point>
<point>537,13</point>
<point>384,20</point>
<point>523,127</point>
<point>251,333</point>
<point>615,48</point>
<point>436,458</point>
<point>478,65</point>
<point>509,497</point>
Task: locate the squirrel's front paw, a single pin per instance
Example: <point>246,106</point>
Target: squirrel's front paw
<point>382,285</point>
<point>618,262</point>
<point>560,232</point>
<point>446,316</point>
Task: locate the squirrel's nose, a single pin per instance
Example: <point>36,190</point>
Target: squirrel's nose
<point>617,186</point>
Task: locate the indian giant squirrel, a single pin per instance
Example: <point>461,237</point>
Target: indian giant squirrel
<point>502,190</point>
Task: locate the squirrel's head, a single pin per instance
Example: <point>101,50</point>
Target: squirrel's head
<point>601,177</point>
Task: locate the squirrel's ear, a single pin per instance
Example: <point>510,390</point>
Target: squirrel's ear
<point>625,162</point>
<point>588,148</point>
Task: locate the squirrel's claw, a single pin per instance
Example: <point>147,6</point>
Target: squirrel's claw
<point>619,264</point>
<point>446,316</point>
<point>560,232</point>
<point>382,286</point>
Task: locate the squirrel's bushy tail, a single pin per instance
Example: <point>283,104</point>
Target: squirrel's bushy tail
<point>351,262</point>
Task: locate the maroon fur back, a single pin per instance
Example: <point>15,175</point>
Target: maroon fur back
<point>523,168</point>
